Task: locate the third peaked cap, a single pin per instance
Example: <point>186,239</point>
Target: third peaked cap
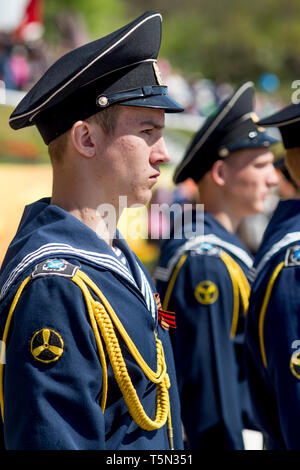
<point>232,128</point>
<point>288,122</point>
<point>120,68</point>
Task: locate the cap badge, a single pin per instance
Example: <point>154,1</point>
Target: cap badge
<point>254,117</point>
<point>158,74</point>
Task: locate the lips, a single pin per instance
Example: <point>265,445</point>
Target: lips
<point>155,176</point>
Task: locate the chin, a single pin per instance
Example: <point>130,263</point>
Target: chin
<point>253,208</point>
<point>258,208</point>
<point>141,199</point>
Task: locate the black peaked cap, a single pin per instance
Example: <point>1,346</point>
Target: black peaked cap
<point>288,122</point>
<point>280,165</point>
<point>120,68</point>
<point>232,128</point>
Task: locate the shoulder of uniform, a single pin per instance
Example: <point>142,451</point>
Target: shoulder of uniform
<point>54,267</point>
<point>206,248</point>
<point>185,256</point>
<point>292,256</point>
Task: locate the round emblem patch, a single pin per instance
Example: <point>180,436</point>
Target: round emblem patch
<point>46,345</point>
<point>55,264</point>
<point>295,364</point>
<point>206,292</point>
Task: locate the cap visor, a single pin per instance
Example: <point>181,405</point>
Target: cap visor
<point>261,140</point>
<point>282,117</point>
<point>265,137</point>
<point>156,101</point>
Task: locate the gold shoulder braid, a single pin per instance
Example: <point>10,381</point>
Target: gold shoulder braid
<point>240,286</point>
<point>104,322</point>
<point>262,313</point>
<point>241,289</point>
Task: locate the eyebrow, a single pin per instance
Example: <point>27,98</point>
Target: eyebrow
<point>152,124</point>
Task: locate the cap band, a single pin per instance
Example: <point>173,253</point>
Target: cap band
<point>107,100</point>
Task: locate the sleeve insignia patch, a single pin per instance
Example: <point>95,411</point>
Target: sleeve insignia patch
<point>46,345</point>
<point>292,256</point>
<point>206,292</point>
<point>58,267</point>
<point>295,364</point>
<point>206,248</point>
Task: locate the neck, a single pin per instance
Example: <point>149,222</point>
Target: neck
<point>89,206</point>
<point>296,195</point>
<point>218,207</point>
<point>229,222</point>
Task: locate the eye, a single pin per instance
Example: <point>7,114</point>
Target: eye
<point>147,131</point>
<point>262,164</point>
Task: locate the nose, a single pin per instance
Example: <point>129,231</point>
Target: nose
<point>273,179</point>
<point>160,153</point>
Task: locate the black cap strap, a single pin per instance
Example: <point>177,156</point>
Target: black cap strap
<point>107,100</point>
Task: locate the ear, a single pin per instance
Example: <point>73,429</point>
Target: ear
<point>218,173</point>
<point>83,138</point>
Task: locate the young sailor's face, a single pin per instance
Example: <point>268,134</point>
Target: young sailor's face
<point>134,152</point>
<point>251,175</point>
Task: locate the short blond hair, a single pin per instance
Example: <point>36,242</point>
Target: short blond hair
<point>106,118</point>
<point>292,160</point>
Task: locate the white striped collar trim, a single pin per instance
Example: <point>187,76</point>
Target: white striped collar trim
<point>60,249</point>
<point>148,294</point>
<point>285,241</point>
<point>163,274</point>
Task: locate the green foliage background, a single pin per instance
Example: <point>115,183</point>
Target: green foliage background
<point>100,16</point>
<point>223,40</point>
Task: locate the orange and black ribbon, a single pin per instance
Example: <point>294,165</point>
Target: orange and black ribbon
<point>166,319</point>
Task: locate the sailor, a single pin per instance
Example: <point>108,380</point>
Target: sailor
<point>88,365</point>
<point>272,337</point>
<point>202,271</point>
<point>287,188</point>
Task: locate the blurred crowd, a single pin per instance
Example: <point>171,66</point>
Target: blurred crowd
<point>23,62</point>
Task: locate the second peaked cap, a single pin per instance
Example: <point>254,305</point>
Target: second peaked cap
<point>233,127</point>
<point>120,68</point>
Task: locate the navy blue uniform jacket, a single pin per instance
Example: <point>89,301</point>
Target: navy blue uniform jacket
<point>273,330</point>
<point>208,341</point>
<point>56,404</point>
